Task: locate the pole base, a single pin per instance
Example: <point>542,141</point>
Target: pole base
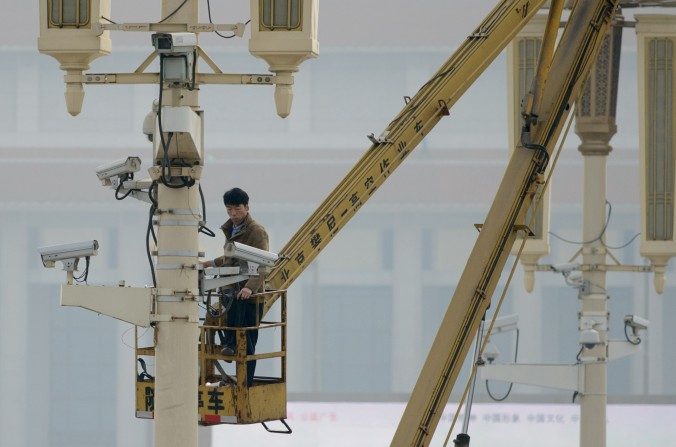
<point>462,440</point>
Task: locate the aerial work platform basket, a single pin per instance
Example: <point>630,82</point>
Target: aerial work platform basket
<point>225,398</point>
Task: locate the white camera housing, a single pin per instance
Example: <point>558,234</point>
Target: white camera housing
<point>251,254</point>
<point>505,324</point>
<point>174,43</point>
<point>68,252</point>
<point>118,168</point>
<point>491,352</point>
<point>566,268</point>
<point>589,338</point>
<point>149,122</point>
<point>636,323</point>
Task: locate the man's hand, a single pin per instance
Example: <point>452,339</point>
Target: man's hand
<point>244,294</point>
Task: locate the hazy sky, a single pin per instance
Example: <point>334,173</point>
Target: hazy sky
<point>391,23</point>
<point>342,22</point>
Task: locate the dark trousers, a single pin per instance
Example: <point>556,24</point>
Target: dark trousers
<point>244,313</point>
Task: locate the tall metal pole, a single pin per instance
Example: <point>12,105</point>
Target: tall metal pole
<point>176,374</point>
<point>594,302</point>
<point>462,440</point>
<point>596,126</point>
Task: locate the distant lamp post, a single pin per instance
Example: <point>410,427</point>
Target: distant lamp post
<point>522,56</point>
<point>656,38</point>
<point>284,34</point>
<point>596,109</point>
<point>67,34</point>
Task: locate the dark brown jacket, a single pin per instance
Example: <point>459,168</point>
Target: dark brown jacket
<point>253,234</point>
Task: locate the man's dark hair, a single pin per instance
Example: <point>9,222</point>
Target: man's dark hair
<point>235,196</point>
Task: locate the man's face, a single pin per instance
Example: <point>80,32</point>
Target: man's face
<point>237,213</point>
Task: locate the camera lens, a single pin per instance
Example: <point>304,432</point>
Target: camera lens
<point>164,43</point>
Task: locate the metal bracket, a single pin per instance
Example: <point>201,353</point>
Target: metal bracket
<point>174,298</point>
<point>180,212</point>
<point>525,228</point>
<point>214,271</point>
<point>443,108</point>
<point>215,283</point>
<point>194,172</point>
<point>478,34</point>
<point>171,295</point>
<point>236,28</point>
<point>177,223</point>
<point>382,139</point>
<point>181,253</point>
<point>164,318</point>
<point>564,377</point>
<point>175,267</point>
<point>70,265</point>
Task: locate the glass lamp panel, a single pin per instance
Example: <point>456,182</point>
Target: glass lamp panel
<point>529,52</point>
<point>660,157</point>
<point>69,12</point>
<point>281,14</point>
<point>295,14</point>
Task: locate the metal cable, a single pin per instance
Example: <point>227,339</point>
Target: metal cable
<point>174,11</point>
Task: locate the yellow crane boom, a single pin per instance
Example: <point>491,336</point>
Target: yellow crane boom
<point>556,88</point>
<point>403,134</point>
<point>574,56</point>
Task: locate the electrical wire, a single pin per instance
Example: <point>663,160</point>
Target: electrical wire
<point>577,357</point>
<point>600,236</point>
<point>603,230</point>
<point>210,21</point>
<point>166,163</point>
<point>174,11</point>
<point>511,384</point>
<point>542,153</point>
<point>126,332</point>
<point>203,228</point>
<point>150,230</point>
<point>624,245</point>
<point>144,374</point>
<point>120,185</point>
<point>106,18</point>
<point>153,200</point>
<point>117,192</point>
<point>83,277</point>
<point>635,340</point>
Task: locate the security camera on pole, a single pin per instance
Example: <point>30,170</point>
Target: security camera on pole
<point>75,33</point>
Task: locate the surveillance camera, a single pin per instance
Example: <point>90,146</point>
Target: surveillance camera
<point>589,338</point>
<point>177,56</point>
<point>566,268</point>
<point>252,254</point>
<point>68,253</point>
<point>491,352</point>
<point>174,43</point>
<point>505,323</point>
<point>575,280</point>
<point>636,323</point>
<point>120,168</point>
<point>149,122</point>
